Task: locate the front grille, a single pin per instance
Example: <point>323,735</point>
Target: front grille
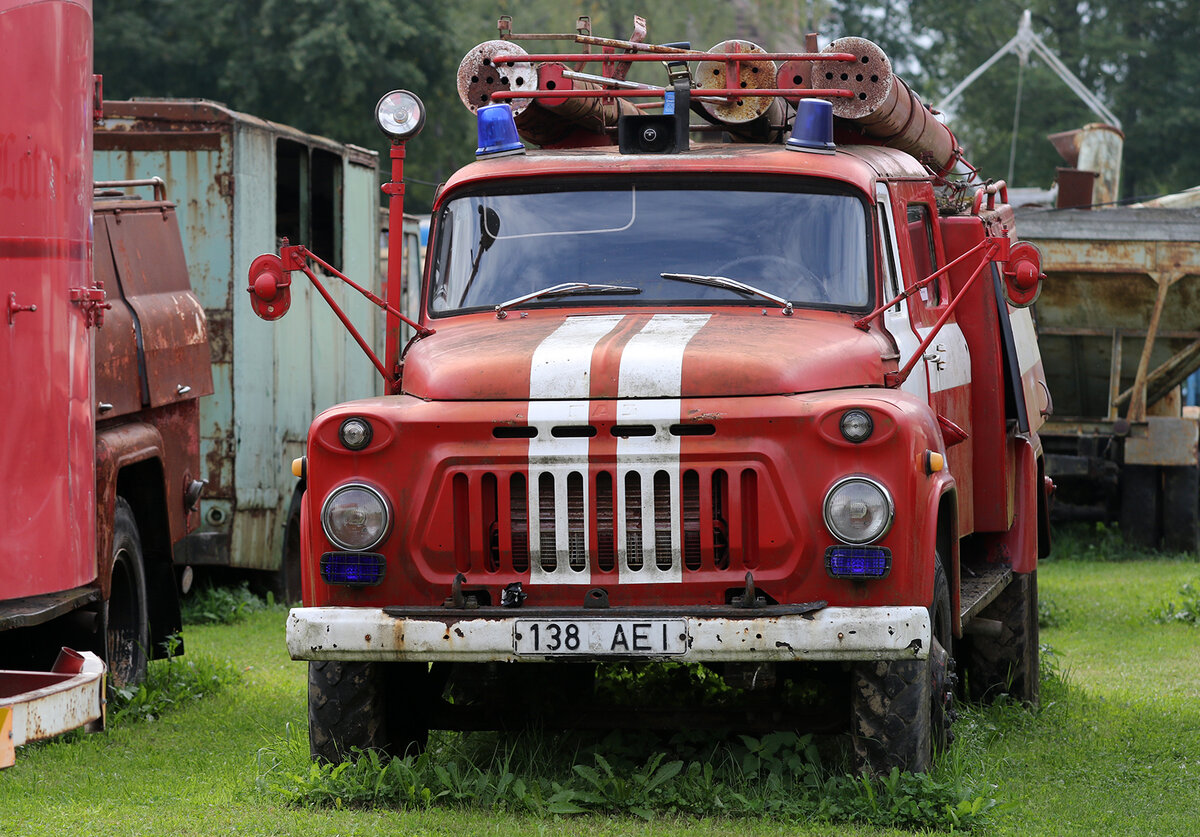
<point>642,525</point>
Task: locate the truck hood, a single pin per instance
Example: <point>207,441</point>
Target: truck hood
<point>644,355</point>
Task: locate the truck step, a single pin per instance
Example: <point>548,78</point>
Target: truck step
<point>980,586</point>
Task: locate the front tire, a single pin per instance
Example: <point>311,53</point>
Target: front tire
<point>127,625</point>
<point>367,706</point>
<point>902,709</point>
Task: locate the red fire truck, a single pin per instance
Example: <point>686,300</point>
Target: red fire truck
<point>759,393</point>
<point>105,352</point>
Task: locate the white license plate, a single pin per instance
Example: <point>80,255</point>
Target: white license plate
<point>600,637</point>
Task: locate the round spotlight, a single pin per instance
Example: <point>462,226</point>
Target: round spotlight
<point>856,426</point>
<point>355,433</point>
<point>400,115</point>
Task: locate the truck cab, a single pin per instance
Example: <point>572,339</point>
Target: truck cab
<point>769,407</point>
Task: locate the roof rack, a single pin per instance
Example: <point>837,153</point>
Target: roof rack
<point>736,86</point>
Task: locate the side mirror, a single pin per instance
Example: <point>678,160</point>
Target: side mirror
<point>270,287</point>
<point>489,227</point>
<point>1023,275</point>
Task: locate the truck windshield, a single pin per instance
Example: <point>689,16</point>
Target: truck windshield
<point>808,247</point>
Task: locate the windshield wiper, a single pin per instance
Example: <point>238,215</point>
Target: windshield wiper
<point>730,285</point>
<point>566,289</point>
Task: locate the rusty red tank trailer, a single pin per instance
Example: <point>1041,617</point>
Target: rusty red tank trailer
<point>104,353</point>
<point>767,402</point>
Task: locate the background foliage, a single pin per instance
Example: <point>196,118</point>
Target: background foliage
<point>322,66</point>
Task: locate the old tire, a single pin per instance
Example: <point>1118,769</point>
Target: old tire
<point>127,625</point>
<point>901,708</point>
<point>1007,664</point>
<point>368,706</point>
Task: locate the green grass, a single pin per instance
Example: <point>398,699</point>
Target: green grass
<point>1104,542</point>
<point>780,775</point>
<point>209,604</point>
<point>1115,748</point>
<point>170,684</point>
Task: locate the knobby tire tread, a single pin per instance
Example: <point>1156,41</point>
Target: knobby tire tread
<point>368,706</point>
<point>1007,664</point>
<point>345,709</point>
<point>901,708</point>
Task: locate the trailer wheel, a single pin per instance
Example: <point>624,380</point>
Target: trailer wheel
<point>368,706</point>
<point>1007,664</point>
<point>127,624</point>
<point>902,709</point>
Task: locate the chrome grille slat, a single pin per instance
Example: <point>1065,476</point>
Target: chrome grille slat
<point>634,559</point>
<point>662,521</point>
<point>619,523</point>
<point>576,523</point>
<point>546,523</point>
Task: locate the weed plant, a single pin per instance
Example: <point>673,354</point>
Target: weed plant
<point>1101,541</point>
<point>213,605</point>
<point>1188,609</point>
<point>780,775</point>
<point>783,776</point>
<point>170,683</point>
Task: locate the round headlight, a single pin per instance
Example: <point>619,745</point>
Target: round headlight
<point>400,115</point>
<point>355,433</point>
<point>856,426</point>
<point>858,510</point>
<point>355,517</point>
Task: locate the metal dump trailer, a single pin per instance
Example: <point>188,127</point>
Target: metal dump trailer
<point>242,184</point>
<point>1119,326</point>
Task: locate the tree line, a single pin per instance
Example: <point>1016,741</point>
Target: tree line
<point>321,66</point>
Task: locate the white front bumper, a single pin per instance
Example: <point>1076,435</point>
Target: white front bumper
<point>829,634</point>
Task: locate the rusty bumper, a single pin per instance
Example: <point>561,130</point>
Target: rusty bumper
<point>38,705</point>
<point>830,634</point>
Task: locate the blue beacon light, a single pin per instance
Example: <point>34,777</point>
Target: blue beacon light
<point>497,131</point>
<point>813,129</point>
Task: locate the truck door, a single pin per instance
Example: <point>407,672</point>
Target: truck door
<point>947,360</point>
<point>896,318</point>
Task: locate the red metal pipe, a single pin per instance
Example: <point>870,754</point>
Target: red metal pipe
<point>990,191</point>
<point>897,378</point>
<point>295,258</point>
<point>395,273</point>
<point>341,315</point>
<point>677,56</point>
<point>505,95</point>
<point>390,309</point>
<point>862,322</point>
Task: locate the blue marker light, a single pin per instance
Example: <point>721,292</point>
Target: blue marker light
<point>813,129</point>
<point>858,561</point>
<point>497,131</point>
<point>353,569</point>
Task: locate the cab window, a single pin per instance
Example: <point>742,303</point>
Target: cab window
<point>920,233</point>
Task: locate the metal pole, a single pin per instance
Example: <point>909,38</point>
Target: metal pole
<point>395,272</point>
<point>1012,152</point>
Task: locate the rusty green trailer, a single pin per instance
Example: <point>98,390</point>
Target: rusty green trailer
<point>241,184</point>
